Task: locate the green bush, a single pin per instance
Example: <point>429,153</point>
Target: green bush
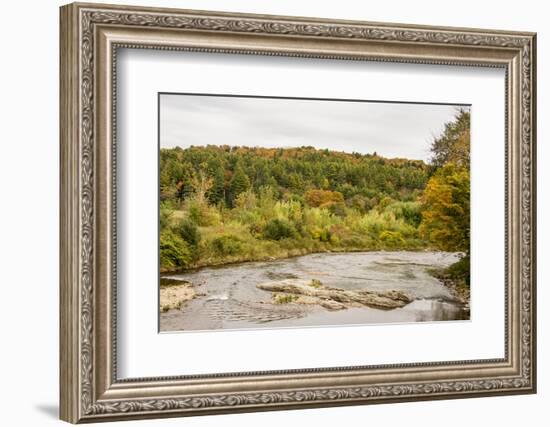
<point>201,213</point>
<point>460,270</point>
<point>371,224</point>
<point>338,209</point>
<point>358,242</point>
<point>392,238</point>
<point>164,218</point>
<point>189,232</point>
<point>410,212</point>
<point>278,229</point>
<point>324,236</point>
<point>226,245</point>
<point>174,251</point>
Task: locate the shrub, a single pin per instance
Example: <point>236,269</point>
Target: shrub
<point>243,216</point>
<point>189,232</point>
<point>359,242</point>
<point>200,213</point>
<point>278,229</point>
<point>324,235</point>
<point>338,209</point>
<point>410,212</point>
<point>174,251</point>
<point>226,245</point>
<point>392,238</point>
<point>384,203</point>
<point>168,205</point>
<point>292,210</point>
<point>246,200</point>
<point>267,197</point>
<point>164,218</point>
<point>460,270</point>
<point>372,223</point>
<point>315,219</point>
<point>358,202</point>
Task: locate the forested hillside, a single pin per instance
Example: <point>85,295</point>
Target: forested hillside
<point>361,179</point>
<point>224,204</point>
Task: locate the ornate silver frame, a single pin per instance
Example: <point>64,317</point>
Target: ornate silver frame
<point>90,36</point>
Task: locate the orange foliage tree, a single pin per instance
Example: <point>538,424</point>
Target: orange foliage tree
<point>316,198</point>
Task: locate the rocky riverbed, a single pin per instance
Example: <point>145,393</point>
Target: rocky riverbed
<point>316,289</point>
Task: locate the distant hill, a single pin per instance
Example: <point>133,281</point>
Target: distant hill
<point>289,172</point>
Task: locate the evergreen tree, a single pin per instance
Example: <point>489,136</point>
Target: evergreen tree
<point>239,184</point>
<point>217,191</point>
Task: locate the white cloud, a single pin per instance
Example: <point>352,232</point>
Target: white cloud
<point>390,129</point>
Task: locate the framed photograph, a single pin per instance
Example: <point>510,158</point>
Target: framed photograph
<point>266,212</point>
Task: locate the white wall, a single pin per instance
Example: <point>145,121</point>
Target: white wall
<point>29,170</point>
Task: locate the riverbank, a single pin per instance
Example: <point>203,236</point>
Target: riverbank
<point>175,293</point>
<point>282,255</point>
<point>456,283</point>
<point>458,289</point>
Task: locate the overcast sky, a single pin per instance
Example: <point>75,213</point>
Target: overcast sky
<point>392,130</point>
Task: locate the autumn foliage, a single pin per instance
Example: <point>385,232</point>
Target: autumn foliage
<point>317,198</point>
<point>224,204</point>
<point>446,198</point>
<point>446,209</point>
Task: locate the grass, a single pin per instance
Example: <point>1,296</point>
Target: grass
<point>315,283</point>
<point>284,298</point>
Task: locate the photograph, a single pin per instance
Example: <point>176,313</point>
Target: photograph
<point>294,212</point>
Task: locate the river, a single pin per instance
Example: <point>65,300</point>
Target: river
<point>228,297</point>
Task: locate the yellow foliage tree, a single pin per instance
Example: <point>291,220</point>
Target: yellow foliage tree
<point>446,209</point>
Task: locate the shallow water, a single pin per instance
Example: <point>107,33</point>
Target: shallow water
<point>230,300</point>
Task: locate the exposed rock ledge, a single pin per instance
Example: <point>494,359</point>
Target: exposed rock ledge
<point>314,292</point>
